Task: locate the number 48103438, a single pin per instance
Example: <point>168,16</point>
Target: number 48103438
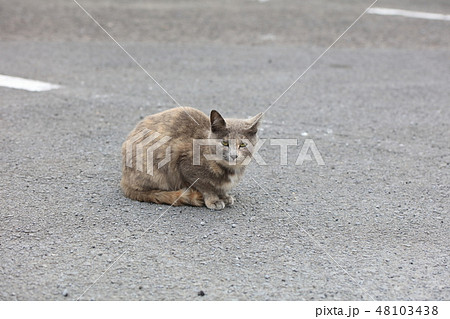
<point>407,310</point>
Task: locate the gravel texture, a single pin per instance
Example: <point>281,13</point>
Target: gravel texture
<point>372,223</point>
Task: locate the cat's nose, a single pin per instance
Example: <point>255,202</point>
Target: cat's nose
<point>233,157</point>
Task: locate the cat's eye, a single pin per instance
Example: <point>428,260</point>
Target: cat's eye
<point>243,144</point>
<point>225,143</point>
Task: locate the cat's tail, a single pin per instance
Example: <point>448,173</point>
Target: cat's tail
<point>175,198</point>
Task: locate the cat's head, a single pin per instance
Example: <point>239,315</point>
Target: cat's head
<point>234,138</point>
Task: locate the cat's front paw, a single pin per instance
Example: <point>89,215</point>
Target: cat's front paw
<point>216,204</point>
<point>229,200</point>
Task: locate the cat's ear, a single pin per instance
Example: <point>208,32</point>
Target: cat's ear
<point>217,122</point>
<point>253,124</point>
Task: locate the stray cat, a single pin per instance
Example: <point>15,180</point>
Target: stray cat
<point>179,172</point>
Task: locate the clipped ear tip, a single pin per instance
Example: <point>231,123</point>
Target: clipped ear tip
<point>254,123</point>
<point>257,118</point>
<point>260,116</point>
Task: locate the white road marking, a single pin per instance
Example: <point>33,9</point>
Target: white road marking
<point>268,37</point>
<point>25,84</point>
<point>409,14</point>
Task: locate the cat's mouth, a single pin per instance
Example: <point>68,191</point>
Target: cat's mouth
<point>233,161</point>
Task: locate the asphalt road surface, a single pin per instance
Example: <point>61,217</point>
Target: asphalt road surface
<point>372,223</point>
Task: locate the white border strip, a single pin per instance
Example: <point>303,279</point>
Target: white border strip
<point>409,14</point>
<point>225,309</point>
<point>25,84</point>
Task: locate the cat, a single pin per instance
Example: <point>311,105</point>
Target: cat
<point>181,172</point>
